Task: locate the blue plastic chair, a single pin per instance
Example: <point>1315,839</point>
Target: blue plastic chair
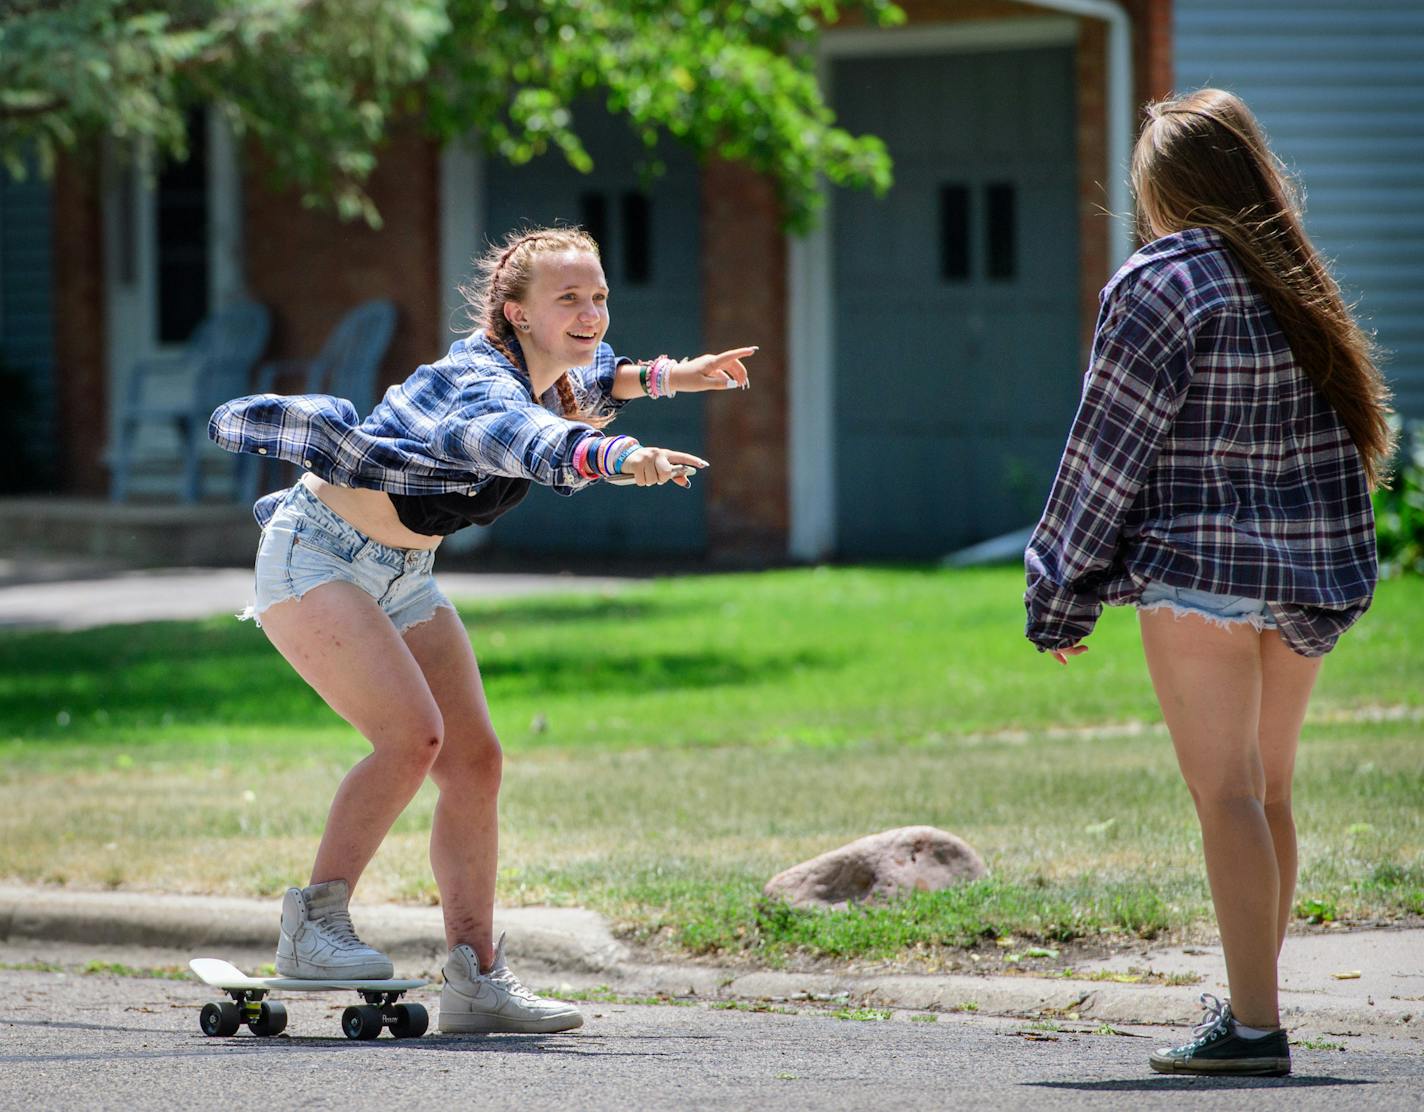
<point>182,390</point>
<point>346,367</point>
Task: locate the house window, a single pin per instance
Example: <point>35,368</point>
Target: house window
<point>954,233</point>
<point>182,210</point>
<point>1001,210</point>
<point>593,216</point>
<point>637,238</point>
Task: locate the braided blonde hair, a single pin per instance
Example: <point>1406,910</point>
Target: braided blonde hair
<point>504,273</point>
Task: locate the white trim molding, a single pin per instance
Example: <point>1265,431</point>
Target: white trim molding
<point>462,227</point>
<point>462,238</point>
<point>227,256</point>
<point>130,217</point>
<point>948,38</point>
<point>130,281</point>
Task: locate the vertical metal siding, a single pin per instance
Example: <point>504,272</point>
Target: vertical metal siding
<point>1339,87</point>
<point>26,305</point>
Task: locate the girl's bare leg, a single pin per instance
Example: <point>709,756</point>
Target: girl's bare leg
<point>1286,683</point>
<point>341,643</point>
<point>464,838</point>
<point>1208,682</point>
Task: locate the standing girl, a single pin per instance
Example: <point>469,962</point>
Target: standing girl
<point>345,591</point>
<point>1218,477</point>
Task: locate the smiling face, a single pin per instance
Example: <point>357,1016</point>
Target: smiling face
<point>563,315</point>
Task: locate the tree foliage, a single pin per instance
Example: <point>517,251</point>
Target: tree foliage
<point>318,83</point>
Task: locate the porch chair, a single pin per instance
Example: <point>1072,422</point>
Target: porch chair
<point>181,391</point>
<point>346,367</point>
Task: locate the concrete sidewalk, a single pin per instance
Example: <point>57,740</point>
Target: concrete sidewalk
<point>1335,982</point>
<point>78,595</point>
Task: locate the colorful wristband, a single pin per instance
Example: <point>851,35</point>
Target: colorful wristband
<point>581,464</point>
<point>622,456</point>
<point>657,377</point>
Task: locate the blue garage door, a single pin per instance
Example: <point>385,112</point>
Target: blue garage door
<point>956,299</point>
<point>1339,86</point>
<point>648,231</point>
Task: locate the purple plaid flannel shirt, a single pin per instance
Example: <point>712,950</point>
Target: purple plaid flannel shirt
<point>1203,457</point>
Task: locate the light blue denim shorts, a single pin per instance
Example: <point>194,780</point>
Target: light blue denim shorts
<point>306,544</point>
<point>1222,610</point>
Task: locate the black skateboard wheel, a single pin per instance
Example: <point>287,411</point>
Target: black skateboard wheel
<point>271,1020</point>
<point>219,1019</point>
<point>361,1021</point>
<point>412,1021</point>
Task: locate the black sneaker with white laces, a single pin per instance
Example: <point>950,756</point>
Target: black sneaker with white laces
<point>1220,1048</point>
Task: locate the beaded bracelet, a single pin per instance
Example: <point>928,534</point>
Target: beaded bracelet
<point>656,378</point>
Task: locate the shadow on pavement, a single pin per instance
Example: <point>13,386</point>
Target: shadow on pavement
<point>1187,1084</point>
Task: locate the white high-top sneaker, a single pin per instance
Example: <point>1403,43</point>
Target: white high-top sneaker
<point>318,942</point>
<point>474,1002</point>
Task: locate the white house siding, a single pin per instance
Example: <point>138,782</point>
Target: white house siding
<point>1339,87</point>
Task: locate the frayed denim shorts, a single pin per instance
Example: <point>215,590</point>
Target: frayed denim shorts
<point>306,544</point>
<point>1221,610</point>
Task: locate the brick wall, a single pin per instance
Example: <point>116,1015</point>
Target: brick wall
<point>80,355</point>
<point>310,267</point>
<point>744,302</point>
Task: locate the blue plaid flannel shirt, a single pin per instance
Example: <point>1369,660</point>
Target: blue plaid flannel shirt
<point>1203,457</point>
<point>451,426</point>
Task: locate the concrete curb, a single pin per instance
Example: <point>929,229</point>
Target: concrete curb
<point>550,937</point>
<point>575,948</point>
<point>1015,997</point>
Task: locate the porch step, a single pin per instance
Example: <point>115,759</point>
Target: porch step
<point>134,534</point>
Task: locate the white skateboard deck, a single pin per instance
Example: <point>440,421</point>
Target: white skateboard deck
<point>224,975</point>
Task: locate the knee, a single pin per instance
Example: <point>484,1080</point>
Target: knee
<point>470,761</point>
<point>1278,801</point>
<point>1221,790</point>
<point>419,747</point>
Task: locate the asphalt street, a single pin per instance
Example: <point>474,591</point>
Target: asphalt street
<point>71,1039</point>
<point>95,1041</point>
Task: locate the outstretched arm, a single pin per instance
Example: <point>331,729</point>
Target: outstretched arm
<point>724,371</point>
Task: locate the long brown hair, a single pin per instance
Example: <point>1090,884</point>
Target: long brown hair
<point>503,273</point>
<point>1202,160</point>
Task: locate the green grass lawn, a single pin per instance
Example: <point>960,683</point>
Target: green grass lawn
<point>673,745</point>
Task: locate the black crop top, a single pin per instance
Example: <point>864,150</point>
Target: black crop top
<point>439,515</point>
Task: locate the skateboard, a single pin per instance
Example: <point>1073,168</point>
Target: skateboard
<point>624,479</point>
<point>267,1017</point>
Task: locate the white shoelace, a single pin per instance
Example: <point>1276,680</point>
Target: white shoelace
<point>511,984</point>
<point>1216,1013</point>
<point>337,926</point>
